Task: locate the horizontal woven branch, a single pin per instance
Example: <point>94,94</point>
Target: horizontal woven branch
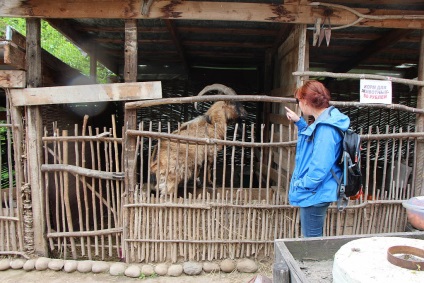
<point>258,98</point>
<point>85,233</point>
<point>83,171</point>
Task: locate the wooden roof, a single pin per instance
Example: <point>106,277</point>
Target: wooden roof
<point>176,38</point>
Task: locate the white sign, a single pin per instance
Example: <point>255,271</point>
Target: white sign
<point>375,91</point>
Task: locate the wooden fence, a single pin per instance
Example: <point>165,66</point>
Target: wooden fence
<point>242,215</point>
<point>13,203</point>
<point>101,201</point>
<point>83,192</point>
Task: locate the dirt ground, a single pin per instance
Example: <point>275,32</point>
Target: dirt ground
<point>49,276</point>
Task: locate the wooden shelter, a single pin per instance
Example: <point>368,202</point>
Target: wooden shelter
<point>85,190</point>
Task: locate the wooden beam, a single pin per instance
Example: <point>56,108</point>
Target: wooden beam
<point>12,55</point>
<point>184,29</point>
<point>12,79</point>
<point>86,93</point>
<point>202,10</point>
<point>130,49</point>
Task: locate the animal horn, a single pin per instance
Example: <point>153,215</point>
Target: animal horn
<point>219,87</point>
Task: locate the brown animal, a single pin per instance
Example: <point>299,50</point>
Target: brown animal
<point>172,160</point>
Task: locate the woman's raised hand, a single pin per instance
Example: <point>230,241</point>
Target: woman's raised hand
<point>291,115</point>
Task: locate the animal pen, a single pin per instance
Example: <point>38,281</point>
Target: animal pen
<point>83,190</point>
<point>100,200</point>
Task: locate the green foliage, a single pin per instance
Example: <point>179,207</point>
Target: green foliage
<point>4,174</point>
<point>55,43</point>
<point>144,276</point>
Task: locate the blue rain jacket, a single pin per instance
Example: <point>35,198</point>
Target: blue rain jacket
<point>317,152</point>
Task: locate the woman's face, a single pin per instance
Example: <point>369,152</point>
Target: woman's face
<point>304,107</point>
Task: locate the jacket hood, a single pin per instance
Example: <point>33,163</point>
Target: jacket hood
<point>331,116</point>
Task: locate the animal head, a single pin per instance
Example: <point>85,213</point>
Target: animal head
<point>229,111</point>
<point>226,111</point>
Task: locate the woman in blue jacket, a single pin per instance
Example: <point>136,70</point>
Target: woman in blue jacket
<point>318,149</point>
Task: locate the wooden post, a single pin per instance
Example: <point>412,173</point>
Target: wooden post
<point>34,134</point>
<point>267,88</point>
<point>419,180</point>
<point>131,45</point>
<point>130,75</point>
<point>303,59</point>
<point>93,65</point>
<point>130,165</point>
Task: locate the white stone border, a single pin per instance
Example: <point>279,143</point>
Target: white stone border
<point>130,270</point>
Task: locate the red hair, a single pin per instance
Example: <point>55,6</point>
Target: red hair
<point>315,94</point>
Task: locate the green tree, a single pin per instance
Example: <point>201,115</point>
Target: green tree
<point>59,46</point>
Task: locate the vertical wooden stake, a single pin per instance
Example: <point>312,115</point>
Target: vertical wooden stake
<point>419,177</point>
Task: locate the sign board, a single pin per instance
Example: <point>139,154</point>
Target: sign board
<point>375,91</point>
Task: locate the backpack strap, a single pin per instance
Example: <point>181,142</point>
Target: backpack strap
<point>342,199</point>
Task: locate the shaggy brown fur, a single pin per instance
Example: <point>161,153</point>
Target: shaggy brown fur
<point>172,160</point>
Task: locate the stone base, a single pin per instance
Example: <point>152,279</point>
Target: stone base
<point>365,260</point>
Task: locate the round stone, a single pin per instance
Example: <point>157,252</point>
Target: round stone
<point>147,270</point>
<point>56,264</point>
<point>161,269</point>
<point>100,267</point>
<point>247,266</point>
<point>175,270</point>
<point>70,266</point>
<point>17,263</point>
<point>117,269</point>
<point>227,265</point>
<point>4,264</point>
<point>133,271</point>
<point>42,263</point>
<point>192,268</point>
<point>210,267</point>
<point>29,265</point>
<point>85,266</point>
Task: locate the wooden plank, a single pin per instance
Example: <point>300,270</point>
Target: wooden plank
<point>12,78</point>
<point>12,55</point>
<point>86,93</point>
<point>203,10</point>
<point>284,256</point>
<point>280,272</point>
<point>14,36</point>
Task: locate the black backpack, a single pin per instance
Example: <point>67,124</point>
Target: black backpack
<point>350,183</point>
